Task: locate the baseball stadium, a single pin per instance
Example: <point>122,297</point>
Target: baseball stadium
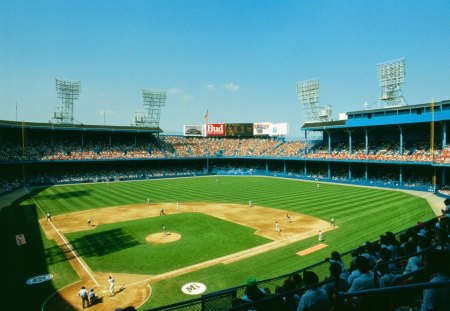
<point>150,221</point>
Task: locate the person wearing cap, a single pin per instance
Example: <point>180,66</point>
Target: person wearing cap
<point>92,296</point>
<point>253,292</point>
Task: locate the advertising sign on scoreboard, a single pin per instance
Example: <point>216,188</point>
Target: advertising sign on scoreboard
<point>279,129</point>
<point>239,129</point>
<point>261,128</point>
<point>193,130</point>
<point>215,129</point>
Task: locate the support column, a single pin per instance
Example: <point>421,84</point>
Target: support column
<point>305,171</point>
<point>401,141</point>
<point>400,178</point>
<point>349,142</point>
<point>365,173</point>
<point>349,170</point>
<point>366,141</point>
<point>329,170</point>
<point>444,135</point>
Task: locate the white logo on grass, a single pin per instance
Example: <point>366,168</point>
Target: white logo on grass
<point>39,279</point>
<point>193,288</point>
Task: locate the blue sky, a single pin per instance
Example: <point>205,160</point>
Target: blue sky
<point>240,60</point>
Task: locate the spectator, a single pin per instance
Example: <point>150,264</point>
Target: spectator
<point>366,279</point>
<point>437,264</point>
<point>338,283</point>
<point>414,262</point>
<point>315,298</point>
<point>253,292</point>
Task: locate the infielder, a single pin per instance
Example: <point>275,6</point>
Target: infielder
<point>332,222</point>
<point>320,236</point>
<point>277,226</point>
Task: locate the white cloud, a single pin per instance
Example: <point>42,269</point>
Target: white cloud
<point>179,93</point>
<point>230,86</point>
<point>173,91</point>
<point>210,87</point>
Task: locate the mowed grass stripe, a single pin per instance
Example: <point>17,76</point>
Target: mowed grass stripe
<point>362,214</point>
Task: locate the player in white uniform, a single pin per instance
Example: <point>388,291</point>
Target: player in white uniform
<point>111,285</point>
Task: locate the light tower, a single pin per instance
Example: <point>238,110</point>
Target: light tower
<point>67,91</point>
<point>391,76</point>
<point>153,101</point>
<point>308,95</point>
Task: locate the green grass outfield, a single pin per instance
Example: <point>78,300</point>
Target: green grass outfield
<point>361,214</point>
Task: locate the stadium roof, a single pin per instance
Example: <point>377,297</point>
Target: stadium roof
<point>77,127</point>
<point>410,114</point>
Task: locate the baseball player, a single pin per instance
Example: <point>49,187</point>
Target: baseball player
<point>288,218</point>
<point>250,204</point>
<point>320,236</point>
<point>332,222</point>
<point>49,216</point>
<point>164,230</point>
<point>277,226</point>
<point>161,212</point>
<point>111,285</point>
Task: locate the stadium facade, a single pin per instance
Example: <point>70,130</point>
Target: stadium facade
<point>397,147</point>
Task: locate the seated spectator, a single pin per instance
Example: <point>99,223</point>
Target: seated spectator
<point>437,264</point>
<point>336,257</point>
<point>339,283</point>
<point>291,299</point>
<point>387,275</point>
<point>297,278</point>
<point>253,292</point>
<point>414,262</point>
<point>446,211</point>
<point>314,298</point>
<point>366,279</point>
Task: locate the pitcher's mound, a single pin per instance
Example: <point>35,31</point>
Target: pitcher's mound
<point>160,238</point>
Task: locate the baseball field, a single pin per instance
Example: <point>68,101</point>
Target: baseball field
<point>211,236</point>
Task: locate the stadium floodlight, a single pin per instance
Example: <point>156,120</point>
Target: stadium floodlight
<point>67,91</point>
<point>308,95</point>
<point>391,76</point>
<point>153,101</point>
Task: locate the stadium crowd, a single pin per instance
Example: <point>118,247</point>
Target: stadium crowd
<point>180,146</point>
<point>418,255</point>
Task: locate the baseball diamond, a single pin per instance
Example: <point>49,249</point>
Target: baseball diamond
<point>221,240</point>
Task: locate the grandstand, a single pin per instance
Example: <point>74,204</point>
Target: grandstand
<point>402,147</point>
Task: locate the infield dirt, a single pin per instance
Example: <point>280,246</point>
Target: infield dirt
<point>137,288</point>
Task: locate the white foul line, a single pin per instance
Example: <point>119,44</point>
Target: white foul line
<point>66,242</point>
